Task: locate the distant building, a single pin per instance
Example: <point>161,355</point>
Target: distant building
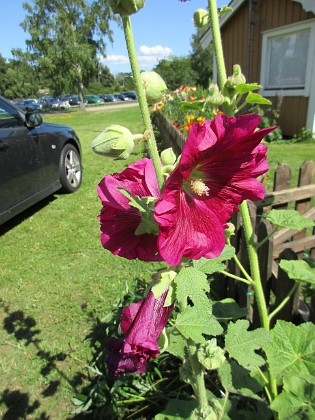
<point>274,43</point>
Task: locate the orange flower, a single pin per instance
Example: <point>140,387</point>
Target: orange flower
<point>192,98</point>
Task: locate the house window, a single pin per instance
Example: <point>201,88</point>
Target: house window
<point>287,56</point>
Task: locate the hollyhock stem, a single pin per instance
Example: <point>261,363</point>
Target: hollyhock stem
<point>248,228</point>
<point>149,135</point>
<point>215,27</point>
<point>198,379</point>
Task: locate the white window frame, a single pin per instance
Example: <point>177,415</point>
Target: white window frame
<point>288,29</point>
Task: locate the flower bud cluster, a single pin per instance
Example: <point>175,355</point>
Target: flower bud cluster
<point>126,7</point>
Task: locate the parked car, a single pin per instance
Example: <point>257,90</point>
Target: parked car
<point>50,102</point>
<point>132,95</point>
<point>75,100</point>
<point>93,99</point>
<point>108,98</point>
<point>28,104</point>
<point>36,159</point>
<point>122,97</point>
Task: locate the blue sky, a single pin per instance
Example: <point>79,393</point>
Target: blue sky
<point>161,29</point>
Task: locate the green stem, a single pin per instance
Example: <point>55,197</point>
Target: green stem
<point>198,379</point>
<point>266,238</point>
<point>284,302</point>
<point>233,276</point>
<point>149,135</point>
<point>217,42</point>
<point>254,266</point>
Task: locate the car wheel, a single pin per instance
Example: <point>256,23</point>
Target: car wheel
<point>70,169</point>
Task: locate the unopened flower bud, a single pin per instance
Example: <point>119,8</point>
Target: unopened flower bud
<point>168,157</point>
<point>230,230</point>
<point>215,97</point>
<point>154,86</point>
<point>237,78</point>
<point>115,141</point>
<point>126,7</point>
<point>201,18</point>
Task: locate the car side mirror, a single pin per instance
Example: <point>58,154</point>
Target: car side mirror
<point>33,119</point>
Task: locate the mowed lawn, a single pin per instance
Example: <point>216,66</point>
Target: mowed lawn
<point>56,280</point>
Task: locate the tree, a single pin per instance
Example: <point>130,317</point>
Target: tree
<point>66,36</point>
<point>201,61</point>
<point>176,71</point>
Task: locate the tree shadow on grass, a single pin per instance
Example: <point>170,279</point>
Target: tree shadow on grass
<point>25,331</point>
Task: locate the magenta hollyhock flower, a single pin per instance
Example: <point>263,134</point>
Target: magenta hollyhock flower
<point>141,324</point>
<point>220,162</point>
<point>119,220</point>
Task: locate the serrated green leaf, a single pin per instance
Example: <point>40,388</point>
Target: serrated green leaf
<point>236,379</point>
<point>215,264</point>
<point>255,98</point>
<point>297,400</point>
<point>193,284</point>
<point>193,324</point>
<point>228,309</point>
<point>197,105</point>
<point>290,219</point>
<point>298,270</point>
<point>247,87</point>
<point>291,350</point>
<point>241,344</point>
<point>177,410</point>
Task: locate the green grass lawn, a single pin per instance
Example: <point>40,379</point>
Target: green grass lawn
<point>57,280</point>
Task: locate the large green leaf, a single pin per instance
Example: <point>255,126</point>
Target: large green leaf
<point>193,284</point>
<point>228,309</point>
<point>176,343</point>
<point>290,219</point>
<point>241,344</point>
<point>236,379</point>
<point>255,98</point>
<point>192,324</point>
<point>247,87</point>
<point>215,264</point>
<point>297,400</point>
<point>291,350</point>
<point>298,270</point>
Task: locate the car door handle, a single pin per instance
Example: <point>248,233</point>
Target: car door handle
<point>3,146</point>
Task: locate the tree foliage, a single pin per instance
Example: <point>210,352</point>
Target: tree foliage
<point>176,72</point>
<point>201,61</point>
<point>66,37</point>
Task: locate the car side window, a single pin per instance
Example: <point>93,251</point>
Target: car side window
<point>9,118</point>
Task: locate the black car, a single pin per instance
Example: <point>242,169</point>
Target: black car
<point>132,95</point>
<point>36,159</point>
<point>108,98</point>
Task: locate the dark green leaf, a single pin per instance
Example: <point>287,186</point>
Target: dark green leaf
<point>241,344</point>
<point>177,410</point>
<point>227,309</point>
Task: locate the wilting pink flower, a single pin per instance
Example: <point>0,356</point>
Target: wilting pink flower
<point>119,220</point>
<point>216,172</point>
<point>141,324</point>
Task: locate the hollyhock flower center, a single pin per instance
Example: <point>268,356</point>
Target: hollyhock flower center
<point>198,186</point>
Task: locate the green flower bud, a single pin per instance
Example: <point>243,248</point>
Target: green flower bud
<point>126,7</point>
<point>229,231</point>
<point>210,355</point>
<point>237,78</point>
<point>201,18</point>
<point>168,157</point>
<point>215,97</point>
<point>154,86</point>
<point>115,141</point>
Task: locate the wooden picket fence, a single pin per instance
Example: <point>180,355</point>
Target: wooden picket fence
<point>284,244</point>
